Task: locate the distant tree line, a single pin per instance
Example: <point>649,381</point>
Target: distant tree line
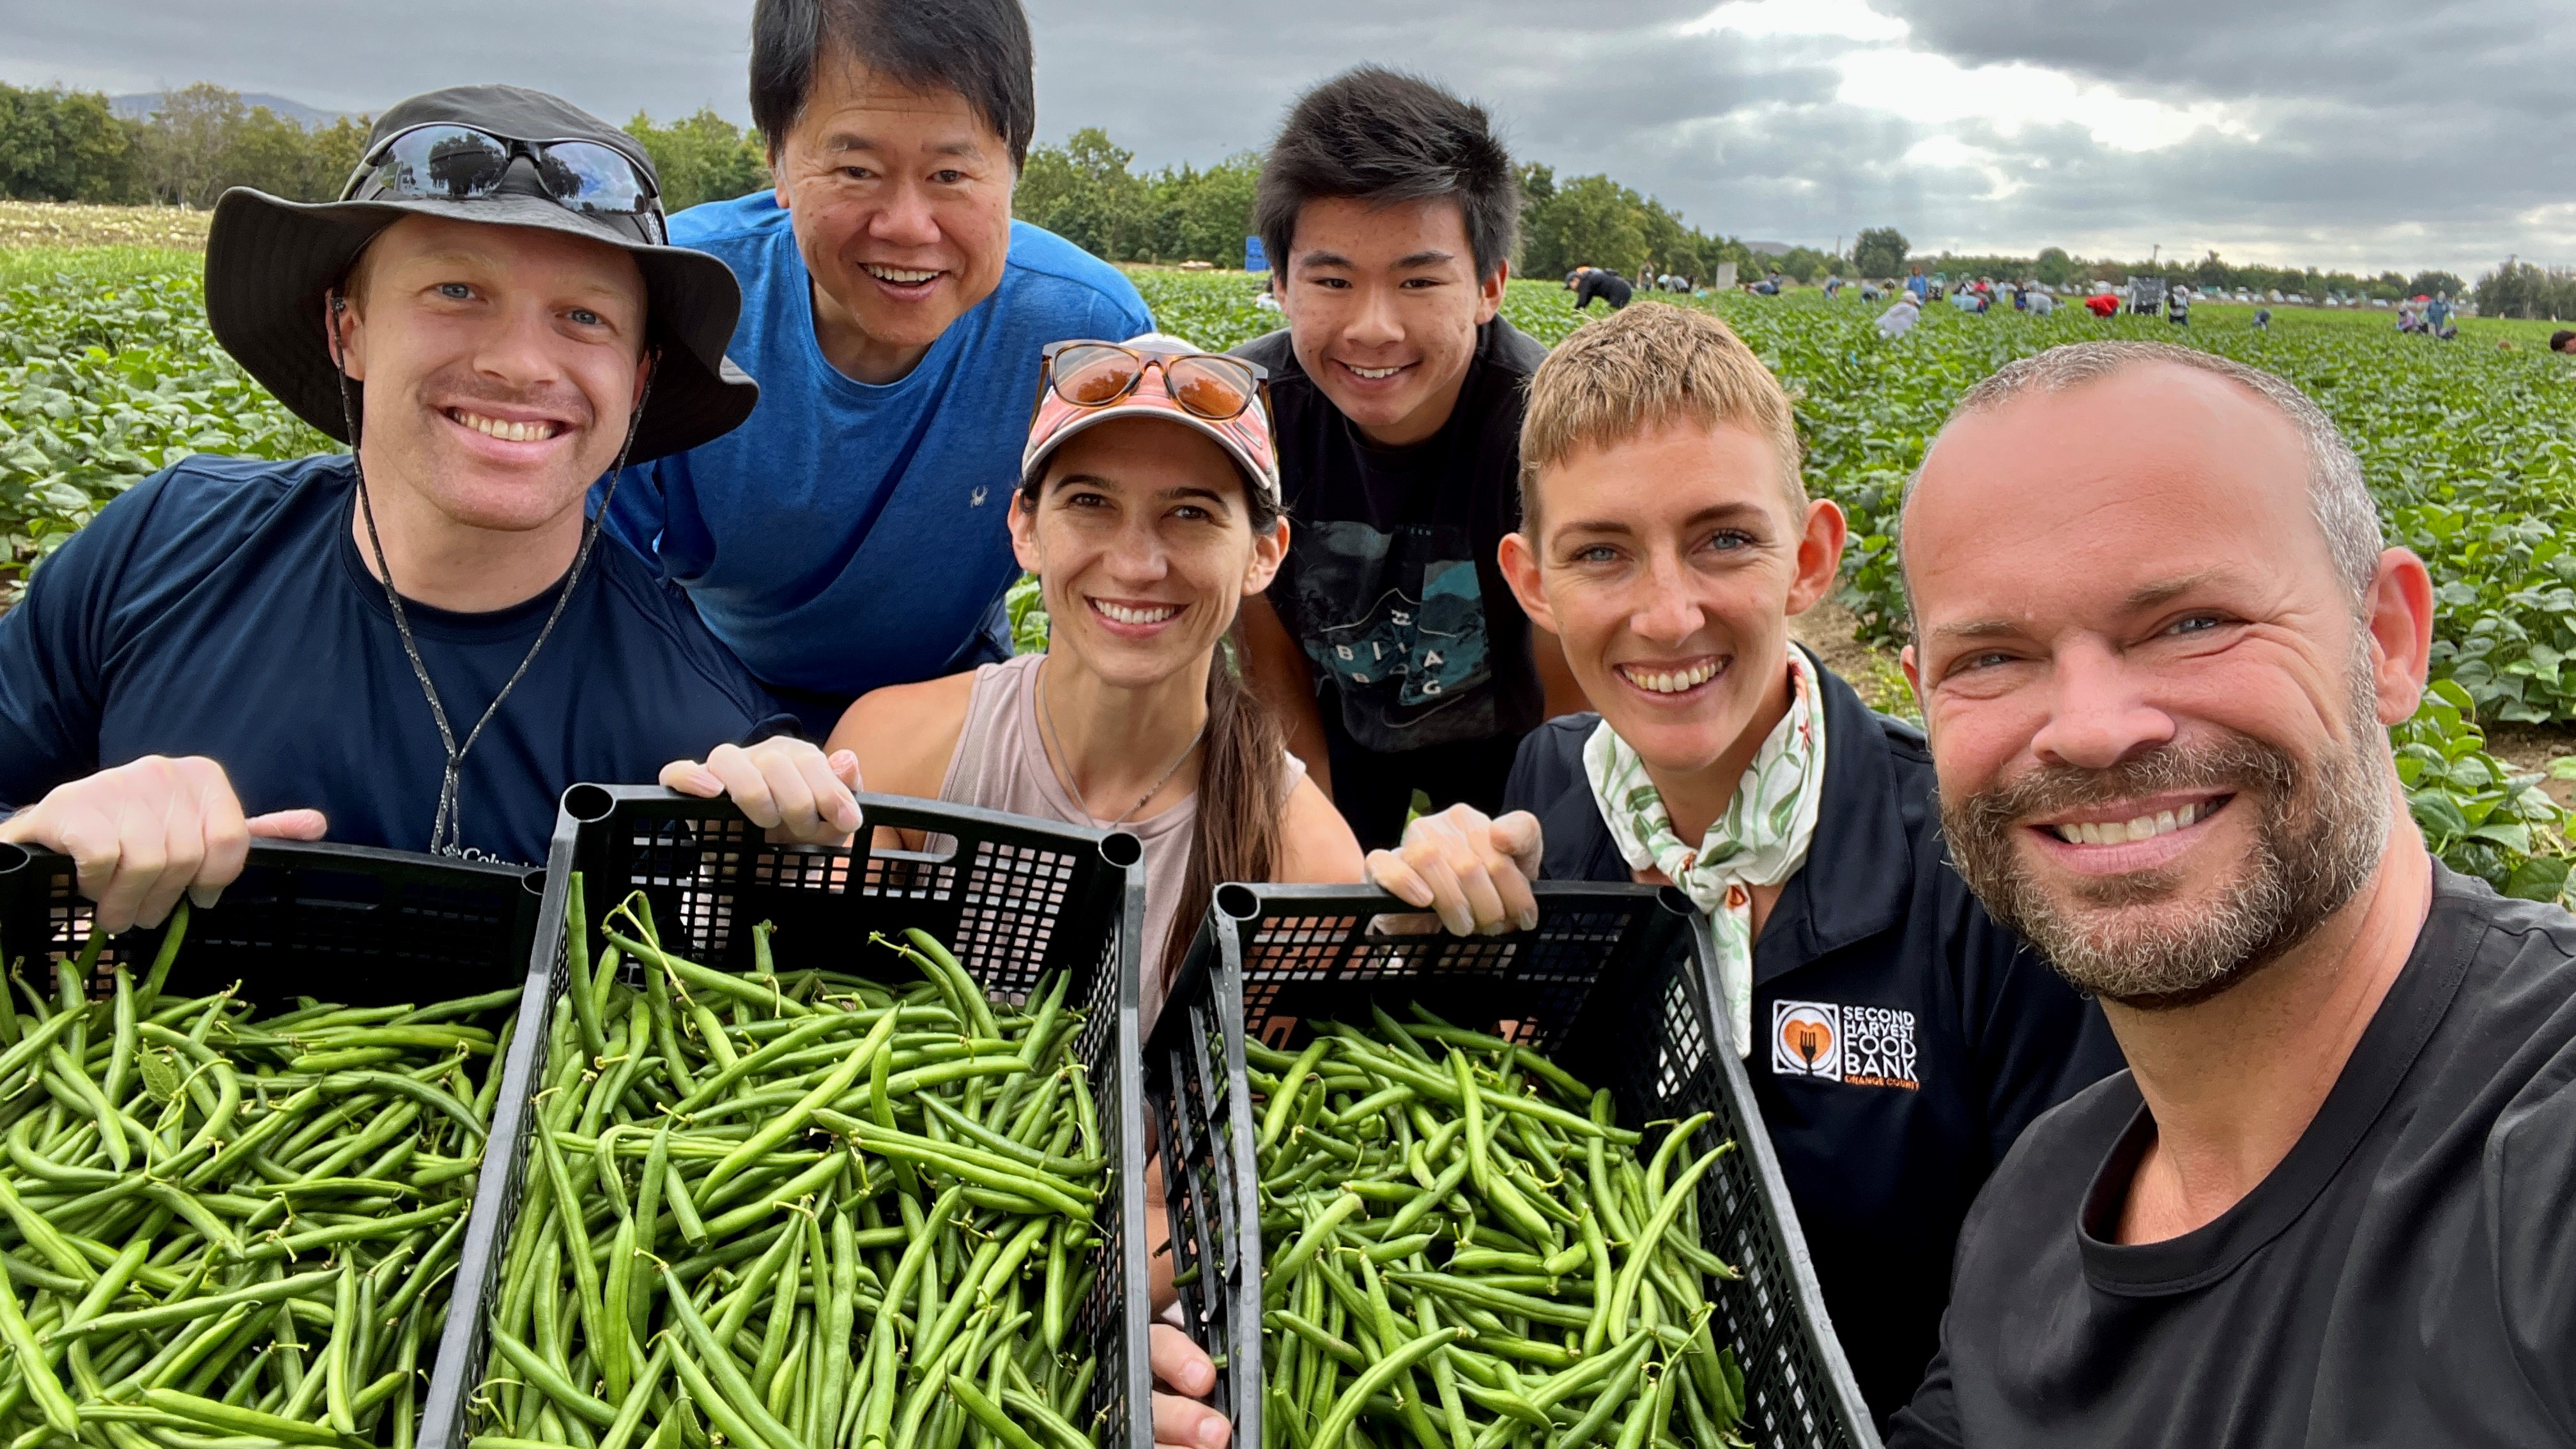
<point>64,145</point>
<point>2519,289</point>
<point>1088,191</point>
<point>60,145</point>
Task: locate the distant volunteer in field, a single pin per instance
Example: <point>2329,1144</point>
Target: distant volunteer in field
<point>1591,284</point>
<point>418,644</point>
<point>1900,317</point>
<point>1390,641</point>
<point>1148,507</point>
<point>2328,1204</point>
<point>1898,1039</point>
<point>848,535</point>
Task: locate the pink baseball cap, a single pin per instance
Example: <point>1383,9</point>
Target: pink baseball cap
<point>1245,436</point>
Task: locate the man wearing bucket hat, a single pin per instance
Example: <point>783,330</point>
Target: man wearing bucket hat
<point>416,644</point>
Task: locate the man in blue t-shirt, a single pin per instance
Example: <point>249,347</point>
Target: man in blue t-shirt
<point>850,535</point>
<point>417,645</point>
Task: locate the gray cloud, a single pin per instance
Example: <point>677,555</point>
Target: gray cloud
<point>2491,56</point>
<point>2383,132</point>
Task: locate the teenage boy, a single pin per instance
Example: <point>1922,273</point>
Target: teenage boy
<point>417,644</point>
<point>848,536</point>
<point>1390,641</point>
<point>2328,1204</point>
<point>1898,1039</point>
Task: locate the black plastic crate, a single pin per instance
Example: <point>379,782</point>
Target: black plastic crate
<point>1014,898</point>
<point>340,923</point>
<point>1614,985</point>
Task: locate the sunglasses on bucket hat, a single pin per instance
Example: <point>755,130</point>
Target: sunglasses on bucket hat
<point>451,161</point>
<point>1209,385</point>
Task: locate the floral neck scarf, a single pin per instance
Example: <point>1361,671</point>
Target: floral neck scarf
<point>1761,840</point>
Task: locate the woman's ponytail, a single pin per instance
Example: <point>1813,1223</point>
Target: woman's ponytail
<point>1243,793</point>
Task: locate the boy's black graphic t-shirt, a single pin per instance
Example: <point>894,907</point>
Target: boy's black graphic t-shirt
<point>1391,585</point>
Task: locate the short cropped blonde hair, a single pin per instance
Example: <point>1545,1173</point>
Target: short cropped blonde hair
<point>1639,369</point>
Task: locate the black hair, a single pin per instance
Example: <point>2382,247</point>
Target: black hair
<point>978,48</point>
<point>2559,339</point>
<point>1377,135</point>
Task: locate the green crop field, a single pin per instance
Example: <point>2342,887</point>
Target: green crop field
<point>107,372</point>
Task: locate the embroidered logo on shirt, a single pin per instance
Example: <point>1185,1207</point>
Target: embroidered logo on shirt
<point>1859,1046</point>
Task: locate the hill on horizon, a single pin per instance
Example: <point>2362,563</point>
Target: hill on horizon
<point>139,107</point>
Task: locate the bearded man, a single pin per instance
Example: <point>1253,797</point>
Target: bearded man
<point>2329,1203</point>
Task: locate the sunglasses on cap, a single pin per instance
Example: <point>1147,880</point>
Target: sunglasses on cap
<point>447,161</point>
<point>1097,374</point>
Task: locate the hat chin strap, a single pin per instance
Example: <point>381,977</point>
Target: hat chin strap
<point>447,832</point>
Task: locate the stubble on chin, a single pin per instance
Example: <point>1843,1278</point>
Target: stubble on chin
<point>2141,939</point>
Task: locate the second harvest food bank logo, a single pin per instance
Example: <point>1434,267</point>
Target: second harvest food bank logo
<point>1860,1046</point>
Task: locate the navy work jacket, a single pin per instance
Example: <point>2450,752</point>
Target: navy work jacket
<point>1902,1039</point>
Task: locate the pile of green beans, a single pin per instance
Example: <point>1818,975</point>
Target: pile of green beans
<point>1464,1252</point>
<point>798,1210</point>
<point>222,1230</point>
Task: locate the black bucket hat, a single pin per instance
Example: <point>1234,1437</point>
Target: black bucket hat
<point>269,263</point>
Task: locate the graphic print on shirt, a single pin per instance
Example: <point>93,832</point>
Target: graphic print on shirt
<point>1397,620</point>
<point>1859,1046</point>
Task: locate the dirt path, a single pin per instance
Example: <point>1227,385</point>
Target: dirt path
<point>1828,630</point>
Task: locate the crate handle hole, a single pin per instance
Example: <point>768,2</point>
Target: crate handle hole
<point>1122,849</point>
<point>588,804</point>
<point>1238,901</point>
<point>14,857</point>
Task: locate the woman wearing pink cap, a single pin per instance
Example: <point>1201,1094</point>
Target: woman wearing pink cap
<point>1148,506</point>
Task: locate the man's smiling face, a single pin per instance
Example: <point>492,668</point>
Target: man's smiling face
<point>901,201</point>
<point>501,364</point>
<point>1383,303</point>
<point>2154,706</point>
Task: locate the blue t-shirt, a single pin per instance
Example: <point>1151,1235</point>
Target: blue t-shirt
<point>220,608</point>
<point>851,535</point>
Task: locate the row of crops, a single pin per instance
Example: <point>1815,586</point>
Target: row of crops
<point>2470,448</point>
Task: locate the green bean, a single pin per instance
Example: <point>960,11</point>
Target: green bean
<point>775,1325</point>
<point>1437,1133</point>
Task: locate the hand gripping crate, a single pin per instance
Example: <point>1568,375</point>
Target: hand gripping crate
<point>339,923</point>
<point>1014,898</point>
<point>1614,985</point>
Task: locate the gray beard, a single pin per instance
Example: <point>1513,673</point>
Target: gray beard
<point>2319,834</point>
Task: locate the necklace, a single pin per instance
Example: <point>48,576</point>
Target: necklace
<point>1046,718</point>
<point>447,831</point>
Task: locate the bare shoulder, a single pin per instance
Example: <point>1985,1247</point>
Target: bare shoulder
<point>904,734</point>
<point>1315,843</point>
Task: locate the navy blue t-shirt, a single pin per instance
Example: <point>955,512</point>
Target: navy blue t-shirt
<point>220,608</point>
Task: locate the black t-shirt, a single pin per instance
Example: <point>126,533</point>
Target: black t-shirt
<point>2406,1276</point>
<point>1948,1035</point>
<point>1391,585</point>
<point>1609,286</point>
<point>220,608</point>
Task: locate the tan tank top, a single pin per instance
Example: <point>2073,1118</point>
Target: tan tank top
<point>1000,764</point>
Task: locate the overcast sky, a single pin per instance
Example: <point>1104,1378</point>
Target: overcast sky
<point>2336,133</point>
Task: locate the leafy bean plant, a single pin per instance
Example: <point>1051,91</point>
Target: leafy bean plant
<point>2480,815</point>
<point>103,383</point>
<point>2470,450</point>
